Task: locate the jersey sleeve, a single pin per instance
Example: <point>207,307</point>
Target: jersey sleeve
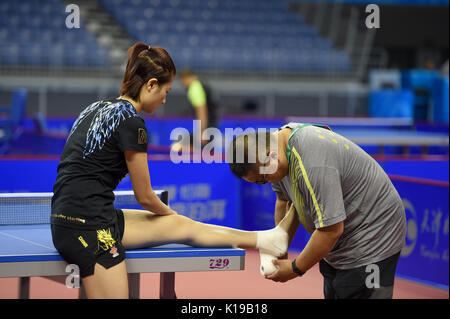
<point>277,188</point>
<point>322,191</point>
<point>132,135</point>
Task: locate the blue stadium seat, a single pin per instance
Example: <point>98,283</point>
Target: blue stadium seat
<point>9,54</point>
<point>208,34</point>
<point>29,30</point>
<point>56,55</point>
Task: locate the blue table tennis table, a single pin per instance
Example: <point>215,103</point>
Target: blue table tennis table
<point>381,132</point>
<point>28,251</point>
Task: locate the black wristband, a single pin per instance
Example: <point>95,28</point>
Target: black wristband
<point>296,270</point>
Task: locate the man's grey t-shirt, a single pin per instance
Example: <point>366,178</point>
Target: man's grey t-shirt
<point>332,179</point>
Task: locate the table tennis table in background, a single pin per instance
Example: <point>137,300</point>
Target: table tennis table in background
<point>27,249</point>
<point>382,132</point>
<point>385,137</point>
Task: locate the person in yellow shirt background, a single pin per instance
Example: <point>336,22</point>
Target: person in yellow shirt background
<point>200,98</point>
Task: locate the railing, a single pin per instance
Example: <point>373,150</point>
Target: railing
<point>274,96</point>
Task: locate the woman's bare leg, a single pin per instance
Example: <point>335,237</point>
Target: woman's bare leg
<point>143,228</point>
<point>109,283</point>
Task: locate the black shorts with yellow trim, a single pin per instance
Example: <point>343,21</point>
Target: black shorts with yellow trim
<point>85,248</point>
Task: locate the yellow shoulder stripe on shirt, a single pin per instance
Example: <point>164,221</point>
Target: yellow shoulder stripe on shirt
<point>308,185</point>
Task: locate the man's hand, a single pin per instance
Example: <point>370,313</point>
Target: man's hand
<point>284,273</point>
<point>319,245</point>
<point>285,256</point>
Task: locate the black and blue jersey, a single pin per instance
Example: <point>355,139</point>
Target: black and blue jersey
<point>93,163</point>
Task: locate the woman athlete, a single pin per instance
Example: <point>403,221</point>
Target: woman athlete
<point>107,141</point>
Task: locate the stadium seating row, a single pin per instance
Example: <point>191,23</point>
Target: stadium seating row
<point>260,35</point>
<point>33,32</point>
<point>59,54</point>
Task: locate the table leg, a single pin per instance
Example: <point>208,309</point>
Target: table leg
<point>81,292</point>
<point>167,286</point>
<point>134,283</point>
<point>24,288</point>
<point>424,149</point>
<point>405,150</point>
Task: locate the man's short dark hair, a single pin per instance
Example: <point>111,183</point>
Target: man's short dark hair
<point>186,73</point>
<point>242,152</point>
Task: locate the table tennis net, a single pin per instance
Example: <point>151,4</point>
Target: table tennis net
<point>35,208</point>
